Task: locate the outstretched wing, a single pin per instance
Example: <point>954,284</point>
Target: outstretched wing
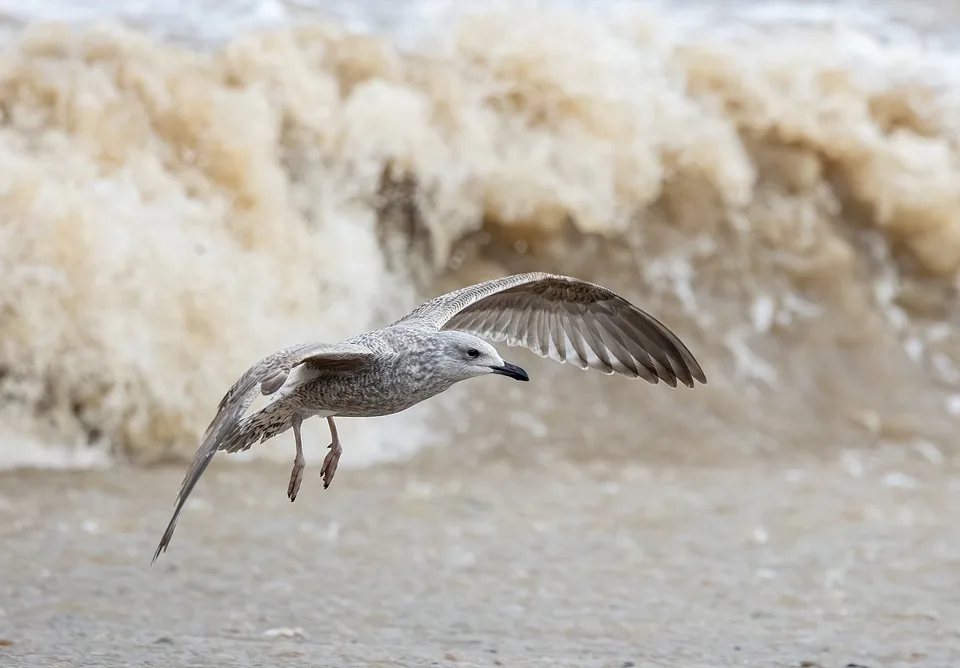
<point>567,320</point>
<point>266,376</point>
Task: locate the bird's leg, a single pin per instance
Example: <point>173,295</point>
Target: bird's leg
<point>333,457</point>
<point>296,475</point>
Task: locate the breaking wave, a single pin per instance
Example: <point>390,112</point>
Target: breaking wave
<point>788,199</point>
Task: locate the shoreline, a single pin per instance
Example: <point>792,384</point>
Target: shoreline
<point>410,564</point>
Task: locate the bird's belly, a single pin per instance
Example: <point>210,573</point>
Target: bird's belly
<point>378,404</point>
<point>362,397</point>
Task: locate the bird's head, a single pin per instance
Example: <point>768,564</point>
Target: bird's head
<point>459,356</point>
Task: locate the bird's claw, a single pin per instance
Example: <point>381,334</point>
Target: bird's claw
<point>296,477</point>
<point>330,462</point>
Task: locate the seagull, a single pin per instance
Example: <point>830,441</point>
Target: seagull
<point>426,352</point>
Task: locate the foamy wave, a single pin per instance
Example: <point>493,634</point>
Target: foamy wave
<point>170,215</point>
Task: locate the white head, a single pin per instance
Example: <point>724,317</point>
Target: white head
<point>458,356</point>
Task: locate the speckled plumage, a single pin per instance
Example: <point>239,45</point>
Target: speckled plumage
<point>390,369</point>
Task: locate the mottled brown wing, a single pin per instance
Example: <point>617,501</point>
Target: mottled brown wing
<point>567,320</point>
<point>265,376</point>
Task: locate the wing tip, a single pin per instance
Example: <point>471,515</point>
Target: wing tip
<point>696,372</point>
<point>168,533</point>
<point>696,375</point>
<point>162,547</point>
<point>690,379</point>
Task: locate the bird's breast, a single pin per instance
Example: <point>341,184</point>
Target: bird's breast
<point>369,393</point>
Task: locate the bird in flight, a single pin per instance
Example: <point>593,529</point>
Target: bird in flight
<point>426,352</point>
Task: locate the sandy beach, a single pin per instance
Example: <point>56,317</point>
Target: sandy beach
<point>832,562</point>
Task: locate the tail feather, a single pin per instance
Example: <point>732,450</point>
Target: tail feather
<point>271,420</point>
<point>233,405</point>
<point>228,431</point>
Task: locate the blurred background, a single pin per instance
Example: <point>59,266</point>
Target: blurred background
<point>186,187</point>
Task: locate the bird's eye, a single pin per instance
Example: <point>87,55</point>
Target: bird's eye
<point>473,352</point>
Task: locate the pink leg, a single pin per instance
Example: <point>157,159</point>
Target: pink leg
<point>296,475</point>
<point>333,457</point>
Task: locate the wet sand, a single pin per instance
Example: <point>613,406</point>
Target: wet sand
<point>834,561</point>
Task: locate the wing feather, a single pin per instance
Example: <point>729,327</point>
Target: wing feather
<point>266,376</point>
<point>567,320</point>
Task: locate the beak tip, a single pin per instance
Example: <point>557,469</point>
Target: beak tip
<point>512,371</point>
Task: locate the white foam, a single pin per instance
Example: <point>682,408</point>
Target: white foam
<point>171,214</point>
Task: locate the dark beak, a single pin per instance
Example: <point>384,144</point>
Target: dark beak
<point>511,371</point>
